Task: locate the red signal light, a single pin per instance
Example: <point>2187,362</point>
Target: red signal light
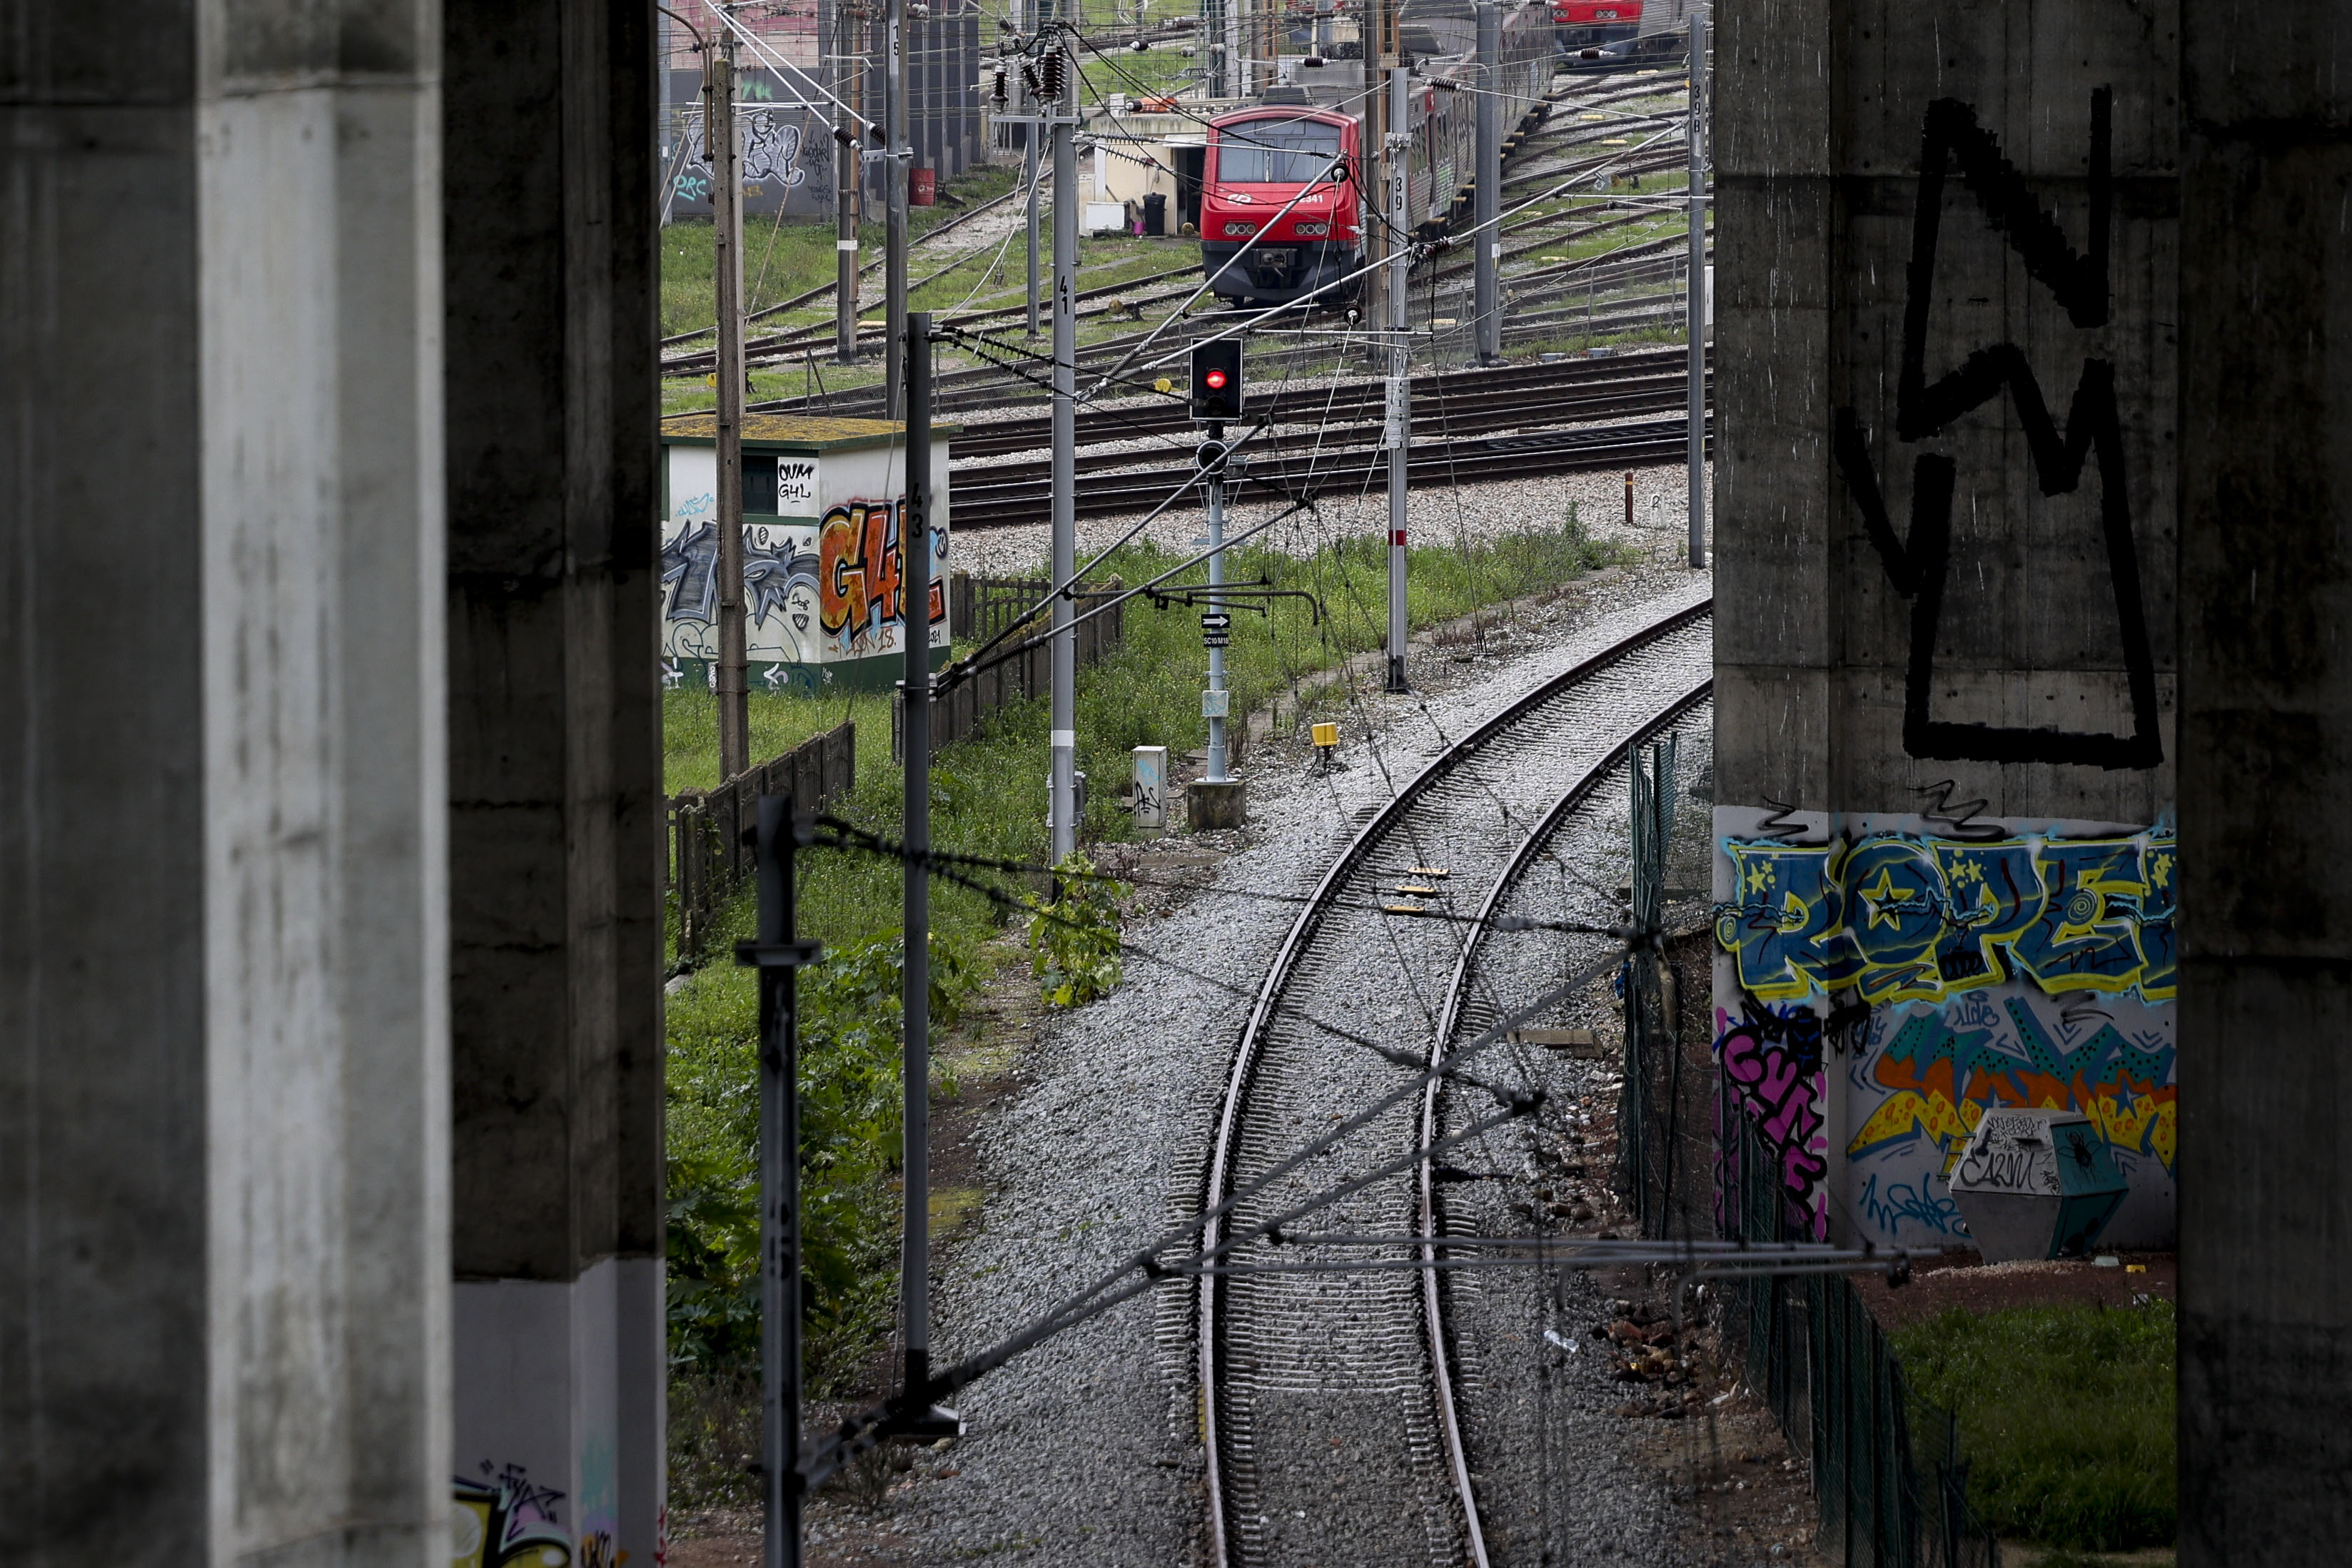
<point>1216,380</point>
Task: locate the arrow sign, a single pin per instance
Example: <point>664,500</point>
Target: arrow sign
<point>1216,620</point>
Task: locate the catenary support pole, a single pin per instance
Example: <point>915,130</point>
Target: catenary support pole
<point>778,952</point>
<point>1486,294</point>
<point>845,186</point>
<point>1399,433</point>
<point>1698,292</point>
<point>1062,790</point>
<point>895,167</point>
<point>731,679</point>
<point>1215,488</point>
<point>915,1000</point>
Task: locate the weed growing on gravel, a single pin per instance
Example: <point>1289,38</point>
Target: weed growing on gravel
<point>2066,1417</point>
<point>1074,940</point>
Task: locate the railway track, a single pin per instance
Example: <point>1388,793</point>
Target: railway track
<point>1572,384</point>
<point>1565,150</point>
<point>1329,1403</point>
<point>979,503</point>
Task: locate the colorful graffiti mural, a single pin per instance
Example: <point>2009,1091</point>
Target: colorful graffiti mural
<point>1938,979</point>
<point>1896,918</point>
<point>812,593</point>
<point>504,1520</point>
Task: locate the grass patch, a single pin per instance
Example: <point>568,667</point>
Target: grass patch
<point>2065,1415</point>
<point>987,798</point>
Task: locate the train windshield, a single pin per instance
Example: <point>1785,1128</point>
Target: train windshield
<point>1276,151</point>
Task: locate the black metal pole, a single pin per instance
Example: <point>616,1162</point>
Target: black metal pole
<point>915,599</point>
<point>777,953</point>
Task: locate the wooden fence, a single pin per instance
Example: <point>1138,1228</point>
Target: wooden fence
<point>711,830</point>
<point>980,607</point>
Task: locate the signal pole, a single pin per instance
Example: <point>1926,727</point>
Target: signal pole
<point>897,159</point>
<point>1062,791</point>
<point>1696,302</point>
<point>1399,434</point>
<point>732,682</point>
<point>1216,631</point>
<point>1486,305</point>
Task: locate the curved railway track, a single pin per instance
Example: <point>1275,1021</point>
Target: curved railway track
<point>1329,1401</point>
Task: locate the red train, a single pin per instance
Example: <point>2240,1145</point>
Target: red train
<point>1583,22</point>
<point>1259,158</point>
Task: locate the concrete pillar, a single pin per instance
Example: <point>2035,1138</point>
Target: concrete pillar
<point>554,769</point>
<point>1947,496</point>
<point>224,1117</point>
<point>2266,761</point>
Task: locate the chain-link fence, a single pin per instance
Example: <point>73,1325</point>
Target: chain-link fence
<point>1887,1468</point>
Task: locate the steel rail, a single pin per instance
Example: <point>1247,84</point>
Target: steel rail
<point>1469,460</point>
<point>1457,991</point>
<point>1241,1079</point>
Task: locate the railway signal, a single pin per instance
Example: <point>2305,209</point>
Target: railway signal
<point>1217,380</point>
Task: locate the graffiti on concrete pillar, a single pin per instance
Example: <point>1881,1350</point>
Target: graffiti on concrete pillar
<point>1770,1059</point>
<point>1918,561</point>
<point>1879,993</point>
<point>504,1520</point>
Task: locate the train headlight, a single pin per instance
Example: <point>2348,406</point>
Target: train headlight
<point>1240,231</point>
<point>1313,231</point>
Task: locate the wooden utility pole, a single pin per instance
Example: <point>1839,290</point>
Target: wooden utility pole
<point>733,681</point>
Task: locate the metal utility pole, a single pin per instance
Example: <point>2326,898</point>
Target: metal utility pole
<point>734,676</point>
<point>915,1000</point>
<point>846,179</point>
<point>1487,301</point>
<point>897,159</point>
<point>1399,434</point>
<point>1062,793</point>
<point>1215,625</point>
<point>1380,52</point>
<point>777,953</point>
<point>1696,302</point>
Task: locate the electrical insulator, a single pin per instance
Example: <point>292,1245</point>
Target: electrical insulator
<point>999,88</point>
<point>1050,87</point>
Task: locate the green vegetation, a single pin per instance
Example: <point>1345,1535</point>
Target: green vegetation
<point>2065,1415</point>
<point>1074,940</point>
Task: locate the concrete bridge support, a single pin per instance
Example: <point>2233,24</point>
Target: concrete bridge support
<point>224,1009</point>
<point>330,754</point>
<point>2034,717</point>
<point>2265,773</point>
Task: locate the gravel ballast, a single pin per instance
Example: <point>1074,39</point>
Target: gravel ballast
<point>1085,1451</point>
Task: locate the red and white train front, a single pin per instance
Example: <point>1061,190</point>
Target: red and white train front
<point>1258,159</point>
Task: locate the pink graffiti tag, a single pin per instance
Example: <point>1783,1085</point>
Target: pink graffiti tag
<point>1775,1061</point>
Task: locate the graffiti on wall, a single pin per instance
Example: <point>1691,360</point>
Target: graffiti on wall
<point>1939,978</point>
<point>811,593</point>
<point>860,573</point>
<point>1770,1059</point>
<point>1895,917</point>
<point>503,1519</point>
<point>1918,563</point>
